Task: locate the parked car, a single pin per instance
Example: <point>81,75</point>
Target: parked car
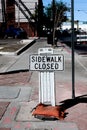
<point>15,33</point>
<point>80,36</point>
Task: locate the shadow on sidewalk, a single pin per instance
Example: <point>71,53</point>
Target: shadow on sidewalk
<point>72,102</point>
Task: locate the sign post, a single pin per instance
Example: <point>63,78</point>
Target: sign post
<point>46,63</point>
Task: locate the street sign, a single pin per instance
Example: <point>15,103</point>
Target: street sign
<point>44,62</point>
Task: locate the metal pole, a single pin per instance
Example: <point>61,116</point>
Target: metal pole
<point>53,10</point>
<point>72,42</point>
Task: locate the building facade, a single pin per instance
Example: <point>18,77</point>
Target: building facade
<point>19,13</point>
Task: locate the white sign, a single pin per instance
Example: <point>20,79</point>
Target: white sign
<point>44,62</point>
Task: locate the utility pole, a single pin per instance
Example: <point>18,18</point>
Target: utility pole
<point>72,42</point>
<point>53,10</point>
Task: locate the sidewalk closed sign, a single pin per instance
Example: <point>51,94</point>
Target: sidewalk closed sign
<point>44,62</point>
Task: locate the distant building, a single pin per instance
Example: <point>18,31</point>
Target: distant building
<point>80,25</point>
<point>18,13</point>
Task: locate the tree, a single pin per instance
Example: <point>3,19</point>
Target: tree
<point>56,12</point>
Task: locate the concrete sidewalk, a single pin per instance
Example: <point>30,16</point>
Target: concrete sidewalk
<point>19,95</point>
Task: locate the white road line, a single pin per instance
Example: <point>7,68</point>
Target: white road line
<point>82,65</point>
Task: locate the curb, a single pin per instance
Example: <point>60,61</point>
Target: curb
<point>18,52</point>
<point>25,47</point>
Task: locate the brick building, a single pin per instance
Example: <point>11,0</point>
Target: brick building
<point>19,14</point>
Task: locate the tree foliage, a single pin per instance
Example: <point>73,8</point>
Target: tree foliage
<point>59,9</point>
<point>55,15</point>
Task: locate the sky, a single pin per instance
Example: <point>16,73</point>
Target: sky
<point>80,8</point>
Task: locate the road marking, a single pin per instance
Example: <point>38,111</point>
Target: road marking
<point>82,65</point>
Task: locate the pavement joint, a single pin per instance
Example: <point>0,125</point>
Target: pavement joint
<point>16,93</point>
